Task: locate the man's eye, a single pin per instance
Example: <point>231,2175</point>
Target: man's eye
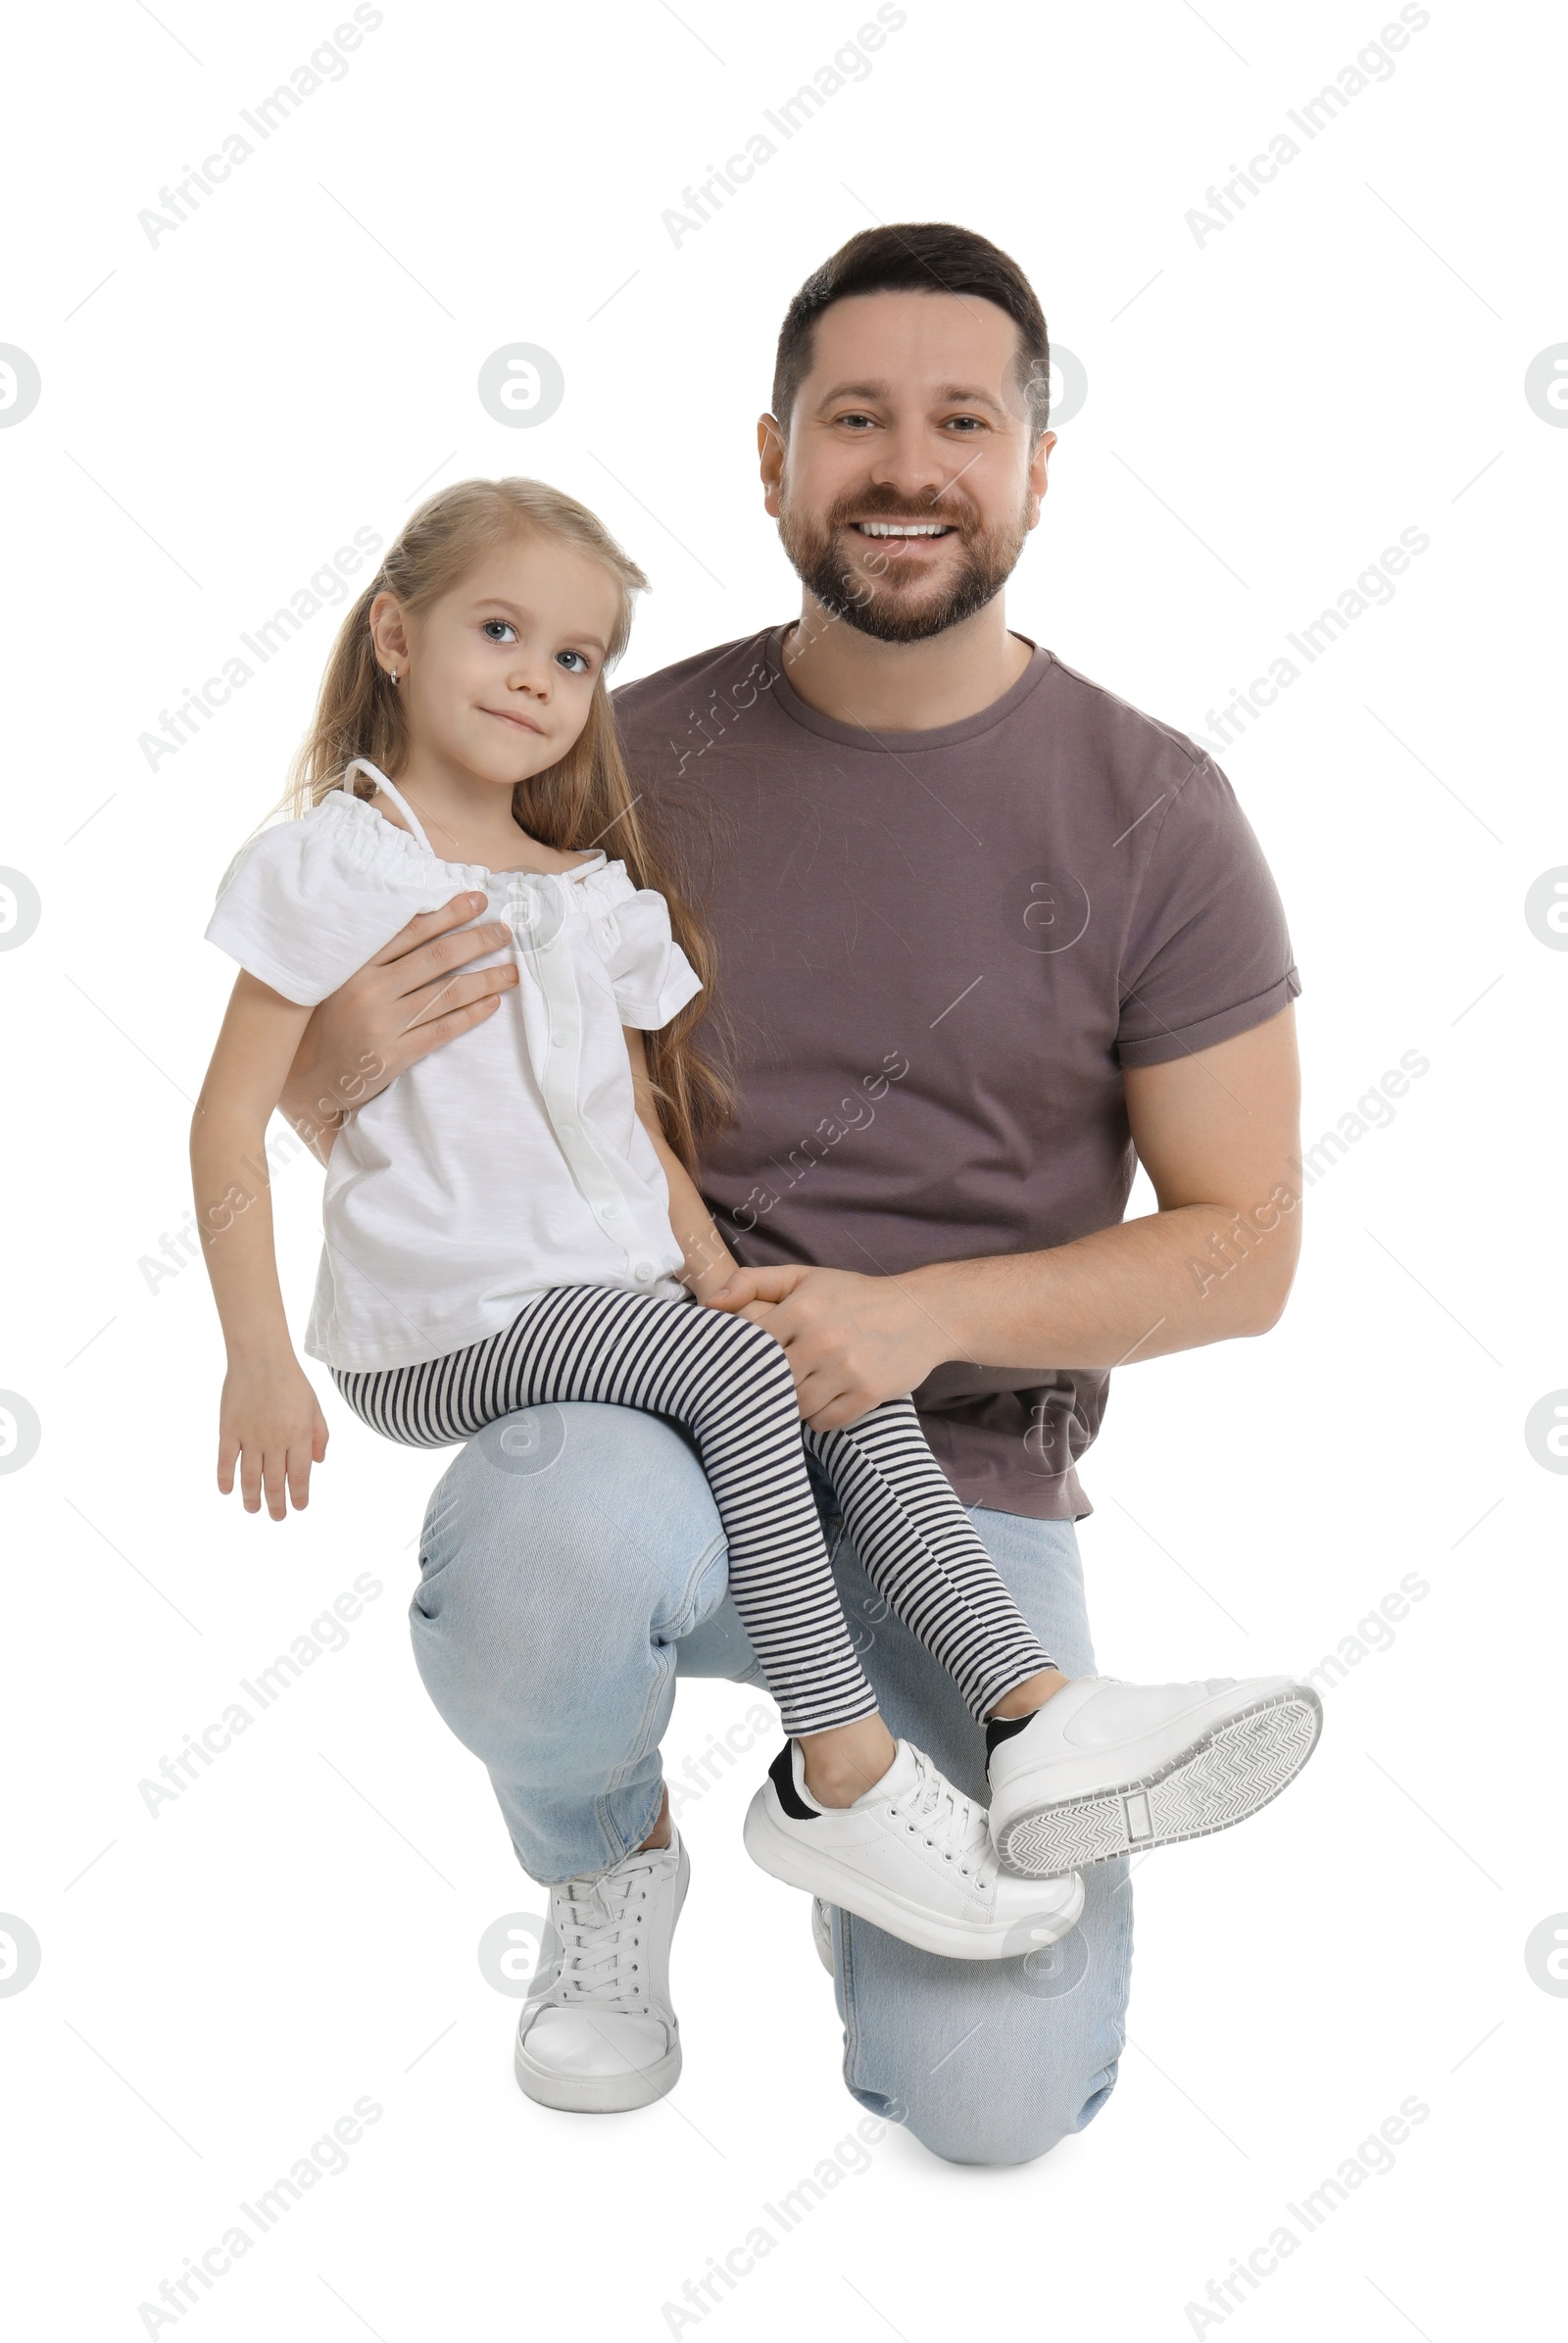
<point>581,668</point>
<point>498,630</point>
<point>966,422</point>
<point>858,419</point>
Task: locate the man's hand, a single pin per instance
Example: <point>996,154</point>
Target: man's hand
<point>852,1342</point>
<point>417,993</point>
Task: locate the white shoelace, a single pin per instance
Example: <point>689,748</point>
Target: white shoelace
<point>599,1924</point>
<point>951,1824</point>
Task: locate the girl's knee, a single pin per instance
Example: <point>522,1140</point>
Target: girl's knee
<point>751,1349</point>
<point>752,1341</point>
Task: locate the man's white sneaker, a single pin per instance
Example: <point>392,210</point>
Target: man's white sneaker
<point>597,2034</point>
<point>1108,1768</point>
<point>912,1855</point>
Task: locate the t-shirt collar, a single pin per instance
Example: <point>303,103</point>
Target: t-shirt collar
<point>899,744</point>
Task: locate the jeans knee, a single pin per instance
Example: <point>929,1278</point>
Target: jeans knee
<point>556,1564</point>
<point>1012,2133</point>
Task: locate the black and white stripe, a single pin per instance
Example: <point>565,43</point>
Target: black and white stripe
<point>728,1383</point>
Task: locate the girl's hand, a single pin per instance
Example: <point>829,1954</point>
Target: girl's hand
<point>270,1425</point>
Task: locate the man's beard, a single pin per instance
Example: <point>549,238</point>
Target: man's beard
<point>889,608</point>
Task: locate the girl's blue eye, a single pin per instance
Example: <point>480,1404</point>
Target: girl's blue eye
<point>581,668</point>
<point>498,629</point>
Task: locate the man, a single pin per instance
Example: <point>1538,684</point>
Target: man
<point>983,930</point>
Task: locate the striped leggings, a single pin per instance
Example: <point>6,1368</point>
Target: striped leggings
<point>727,1382</point>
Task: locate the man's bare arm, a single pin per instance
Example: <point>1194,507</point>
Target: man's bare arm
<point>1219,1134</point>
<point>417,993</point>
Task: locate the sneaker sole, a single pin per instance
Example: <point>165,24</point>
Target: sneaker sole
<point>1227,1775</point>
<point>597,2094</point>
<point>779,1856</point>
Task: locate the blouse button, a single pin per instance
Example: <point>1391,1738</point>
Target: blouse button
<point>645,1271</point>
<point>611,1211</point>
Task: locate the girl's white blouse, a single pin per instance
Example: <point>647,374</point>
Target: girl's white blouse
<point>511,1159</point>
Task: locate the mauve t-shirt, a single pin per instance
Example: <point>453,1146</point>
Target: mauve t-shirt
<point>936,952</point>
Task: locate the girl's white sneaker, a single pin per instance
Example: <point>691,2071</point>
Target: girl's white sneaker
<point>912,1855</point>
<point>1108,1768</point>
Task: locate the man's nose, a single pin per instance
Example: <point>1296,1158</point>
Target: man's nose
<point>906,463</point>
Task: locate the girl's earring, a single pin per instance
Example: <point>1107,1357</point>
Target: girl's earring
<point>394,674</point>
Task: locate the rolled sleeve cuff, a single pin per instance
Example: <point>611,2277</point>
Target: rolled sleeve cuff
<point>1184,1040</point>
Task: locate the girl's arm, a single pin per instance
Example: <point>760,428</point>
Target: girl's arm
<point>709,1262</point>
<point>268,1421</point>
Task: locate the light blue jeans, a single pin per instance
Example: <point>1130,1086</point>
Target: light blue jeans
<point>572,1565</point>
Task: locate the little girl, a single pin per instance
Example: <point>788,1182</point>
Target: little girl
<point>513,1221</point>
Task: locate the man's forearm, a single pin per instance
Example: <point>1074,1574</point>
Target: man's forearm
<point>1218,1133</point>
<point>1172,1281</point>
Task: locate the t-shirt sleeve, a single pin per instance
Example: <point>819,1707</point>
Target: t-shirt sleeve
<point>1208,953</point>
<point>293,910</point>
<point>651,976</point>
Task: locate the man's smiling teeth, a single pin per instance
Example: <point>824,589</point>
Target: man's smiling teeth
<point>903,528</point>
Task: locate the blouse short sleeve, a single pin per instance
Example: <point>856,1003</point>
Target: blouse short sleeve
<point>300,909</point>
<point>650,974</point>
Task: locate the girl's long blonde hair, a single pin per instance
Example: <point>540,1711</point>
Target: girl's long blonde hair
<point>584,800</point>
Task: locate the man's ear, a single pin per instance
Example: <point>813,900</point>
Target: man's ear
<point>771,459</point>
<point>1037,473</point>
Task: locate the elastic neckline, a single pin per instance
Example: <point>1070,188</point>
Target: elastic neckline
<point>345,792</point>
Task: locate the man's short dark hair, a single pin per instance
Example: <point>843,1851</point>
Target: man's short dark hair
<point>931,257</point>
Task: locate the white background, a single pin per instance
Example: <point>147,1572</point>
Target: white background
<point>1266,410</point>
